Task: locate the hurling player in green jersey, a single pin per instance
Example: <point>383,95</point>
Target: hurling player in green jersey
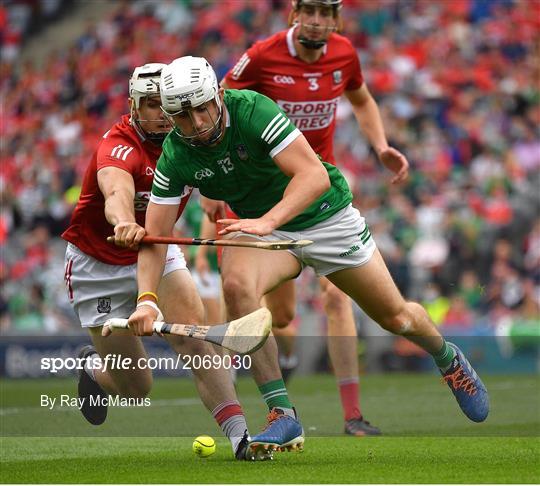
<point>239,147</point>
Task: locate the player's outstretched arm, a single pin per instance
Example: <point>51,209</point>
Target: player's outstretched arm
<point>369,119</point>
<point>309,180</point>
<point>118,190</point>
<point>160,219</point>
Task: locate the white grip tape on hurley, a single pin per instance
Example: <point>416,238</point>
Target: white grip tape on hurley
<point>117,323</point>
<point>158,326</point>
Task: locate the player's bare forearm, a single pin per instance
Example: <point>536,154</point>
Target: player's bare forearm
<point>369,119</point>
<point>309,180</point>
<point>160,221</point>
<point>302,191</point>
<point>118,190</point>
<point>119,207</point>
<point>150,264</point>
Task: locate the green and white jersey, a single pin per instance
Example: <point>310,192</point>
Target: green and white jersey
<point>240,169</point>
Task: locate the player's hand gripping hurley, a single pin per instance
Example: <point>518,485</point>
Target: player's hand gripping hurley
<point>264,245</point>
<point>244,335</point>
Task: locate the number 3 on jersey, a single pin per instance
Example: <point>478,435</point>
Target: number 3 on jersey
<point>226,164</point>
<point>313,85</point>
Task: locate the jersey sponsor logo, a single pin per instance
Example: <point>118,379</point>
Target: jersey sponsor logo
<point>283,79</point>
<point>201,174</point>
<point>279,123</point>
<point>337,75</point>
<point>121,152</point>
<point>140,202</point>
<point>239,67</point>
<point>104,305</point>
<point>310,115</point>
<point>161,181</point>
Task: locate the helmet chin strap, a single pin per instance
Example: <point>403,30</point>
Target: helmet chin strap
<point>157,138</point>
<point>313,44</point>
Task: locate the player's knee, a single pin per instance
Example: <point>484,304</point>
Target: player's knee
<point>335,301</point>
<point>236,288</point>
<point>282,316</point>
<point>399,322</point>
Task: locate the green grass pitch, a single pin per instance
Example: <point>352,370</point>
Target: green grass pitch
<point>427,439</point>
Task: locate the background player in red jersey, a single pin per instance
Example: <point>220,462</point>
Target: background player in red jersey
<point>306,69</point>
<point>101,277</point>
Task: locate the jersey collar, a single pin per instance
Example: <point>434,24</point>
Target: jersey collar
<point>290,42</point>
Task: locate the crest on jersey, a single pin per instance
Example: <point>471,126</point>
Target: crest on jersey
<point>337,76</point>
<point>242,152</point>
<point>104,305</point>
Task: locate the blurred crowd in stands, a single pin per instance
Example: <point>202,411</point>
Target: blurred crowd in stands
<point>458,86</point>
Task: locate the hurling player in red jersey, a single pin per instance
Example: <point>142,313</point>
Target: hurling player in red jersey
<point>101,277</point>
<point>305,70</point>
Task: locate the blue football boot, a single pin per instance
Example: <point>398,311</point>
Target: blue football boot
<point>281,433</point>
<point>467,387</point>
<point>245,453</point>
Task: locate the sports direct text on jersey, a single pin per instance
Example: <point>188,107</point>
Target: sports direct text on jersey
<point>310,115</point>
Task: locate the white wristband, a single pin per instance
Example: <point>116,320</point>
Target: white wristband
<point>154,306</point>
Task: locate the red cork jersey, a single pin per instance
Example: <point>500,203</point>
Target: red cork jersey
<point>120,147</point>
<point>307,93</point>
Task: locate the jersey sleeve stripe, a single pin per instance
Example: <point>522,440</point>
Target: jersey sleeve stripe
<point>121,151</point>
<point>270,125</point>
<point>161,176</point>
<point>240,66</point>
<point>170,201</point>
<point>160,185</point>
<point>276,134</point>
<point>127,153</point>
<point>285,142</point>
<point>113,151</point>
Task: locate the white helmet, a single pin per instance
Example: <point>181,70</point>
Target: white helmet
<point>145,81</point>
<point>186,83</point>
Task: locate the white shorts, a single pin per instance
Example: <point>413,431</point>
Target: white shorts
<point>342,241</point>
<point>98,291</point>
<point>210,287</point>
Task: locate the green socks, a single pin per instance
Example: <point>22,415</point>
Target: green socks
<point>275,394</point>
<point>444,357</point>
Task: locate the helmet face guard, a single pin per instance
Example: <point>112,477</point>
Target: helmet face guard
<point>143,84</point>
<point>336,7</point>
<point>196,139</point>
<point>188,84</point>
